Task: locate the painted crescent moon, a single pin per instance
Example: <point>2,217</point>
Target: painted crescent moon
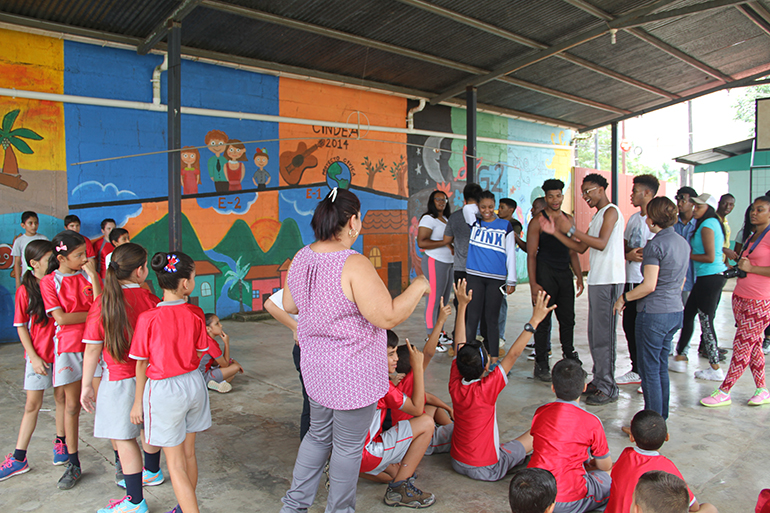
<point>431,154</point>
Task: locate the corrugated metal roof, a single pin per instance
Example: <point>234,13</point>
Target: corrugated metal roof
<point>405,45</point>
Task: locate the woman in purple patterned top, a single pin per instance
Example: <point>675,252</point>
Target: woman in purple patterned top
<point>344,309</point>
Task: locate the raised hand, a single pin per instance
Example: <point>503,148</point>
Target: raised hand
<point>541,308</point>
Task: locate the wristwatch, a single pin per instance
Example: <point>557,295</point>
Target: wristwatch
<point>529,327</point>
<point>571,231</point>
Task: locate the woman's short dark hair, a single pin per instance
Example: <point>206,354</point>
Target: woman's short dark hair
<point>487,195</point>
<point>433,211</point>
<point>333,212</point>
<point>662,212</point>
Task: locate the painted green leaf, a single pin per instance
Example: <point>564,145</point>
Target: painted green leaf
<point>20,145</point>
<point>9,120</point>
<point>27,134</point>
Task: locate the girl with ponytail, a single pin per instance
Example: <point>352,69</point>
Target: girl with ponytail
<point>36,335</point>
<point>109,328</point>
<point>171,398</point>
<point>68,291</point>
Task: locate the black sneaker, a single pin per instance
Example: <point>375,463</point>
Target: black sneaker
<point>573,356</point>
<point>119,477</point>
<point>70,477</point>
<point>590,389</point>
<point>599,398</point>
<point>542,372</point>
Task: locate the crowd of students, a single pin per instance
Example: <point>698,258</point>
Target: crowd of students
<point>137,361</point>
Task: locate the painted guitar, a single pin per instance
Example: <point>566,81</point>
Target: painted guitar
<point>294,163</point>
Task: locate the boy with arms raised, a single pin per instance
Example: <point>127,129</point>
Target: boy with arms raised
<point>476,449</point>
<point>563,435</point>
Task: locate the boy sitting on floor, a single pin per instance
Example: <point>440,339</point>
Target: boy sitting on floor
<point>435,407</point>
<point>660,492</point>
<point>392,456</point>
<point>648,431</point>
<point>532,490</point>
<point>476,449</point>
<point>563,435</point>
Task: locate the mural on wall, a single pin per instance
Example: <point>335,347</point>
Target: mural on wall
<point>249,188</point>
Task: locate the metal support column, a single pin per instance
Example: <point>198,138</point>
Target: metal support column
<point>614,164</point>
<point>174,84</point>
<point>470,131</point>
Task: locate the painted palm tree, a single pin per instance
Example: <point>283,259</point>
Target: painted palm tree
<point>238,276</point>
<point>10,139</point>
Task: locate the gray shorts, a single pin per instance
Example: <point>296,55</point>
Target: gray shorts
<point>174,407</point>
<point>215,374</point>
<point>113,409</point>
<point>510,455</point>
<point>34,381</point>
<point>99,368</point>
<point>392,449</point>
<point>68,368</point>
<point>441,441</point>
<point>597,494</point>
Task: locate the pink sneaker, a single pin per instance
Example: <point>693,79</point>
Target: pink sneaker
<point>761,396</point>
<point>718,398</point>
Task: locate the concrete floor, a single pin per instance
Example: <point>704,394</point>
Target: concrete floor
<point>246,458</point>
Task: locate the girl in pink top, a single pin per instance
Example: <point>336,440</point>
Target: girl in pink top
<point>751,306</point>
<point>341,330</point>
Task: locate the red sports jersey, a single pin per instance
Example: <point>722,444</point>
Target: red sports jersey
<point>209,359</point>
<point>137,300</point>
<point>41,334</point>
<point>406,385</point>
<point>394,400</point>
<point>72,293</point>
<point>170,337</point>
<point>634,462</point>
<point>101,253</point>
<point>475,439</point>
<point>90,253</point>
<point>564,437</point>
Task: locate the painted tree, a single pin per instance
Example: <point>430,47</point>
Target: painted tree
<point>238,276</point>
<point>11,138</point>
<point>372,169</point>
<point>398,172</point>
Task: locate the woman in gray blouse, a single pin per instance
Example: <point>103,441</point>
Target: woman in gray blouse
<point>658,301</point>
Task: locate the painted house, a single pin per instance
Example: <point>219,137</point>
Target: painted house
<point>205,285</point>
<point>265,281</point>
<point>386,244</point>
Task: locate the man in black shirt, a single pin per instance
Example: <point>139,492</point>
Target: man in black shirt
<point>548,265</point>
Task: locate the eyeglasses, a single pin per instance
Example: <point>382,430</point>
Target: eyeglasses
<point>440,200</point>
<point>585,193</point>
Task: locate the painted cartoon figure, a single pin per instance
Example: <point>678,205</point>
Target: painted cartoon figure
<point>261,177</point>
<point>236,169</point>
<point>215,141</point>
<point>191,170</point>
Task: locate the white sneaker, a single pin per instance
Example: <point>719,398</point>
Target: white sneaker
<point>629,378</point>
<point>441,348</point>
<point>639,390</point>
<point>443,338</point>
<point>531,356</point>
<point>677,365</point>
<point>502,344</point>
<point>222,387</point>
<point>710,374</point>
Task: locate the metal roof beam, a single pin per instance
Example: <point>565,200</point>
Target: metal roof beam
<point>522,62</point>
<point>398,50</point>
<point>724,152</point>
<point>757,13</point>
<point>638,21</point>
<point>531,43</point>
<point>751,80</point>
<point>161,29</point>
<point>654,41</point>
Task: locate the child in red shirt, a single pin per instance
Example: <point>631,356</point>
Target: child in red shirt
<point>392,456</point>
<point>571,444</point>
<point>217,367</point>
<point>649,432</point>
<point>110,324</point>
<point>476,448</point>
<point>435,407</point>
<point>171,399</point>
<point>36,335</point>
<point>68,291</point>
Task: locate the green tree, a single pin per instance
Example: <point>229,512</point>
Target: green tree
<point>585,149</point>
<point>744,103</point>
<point>238,276</point>
<point>14,138</point>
